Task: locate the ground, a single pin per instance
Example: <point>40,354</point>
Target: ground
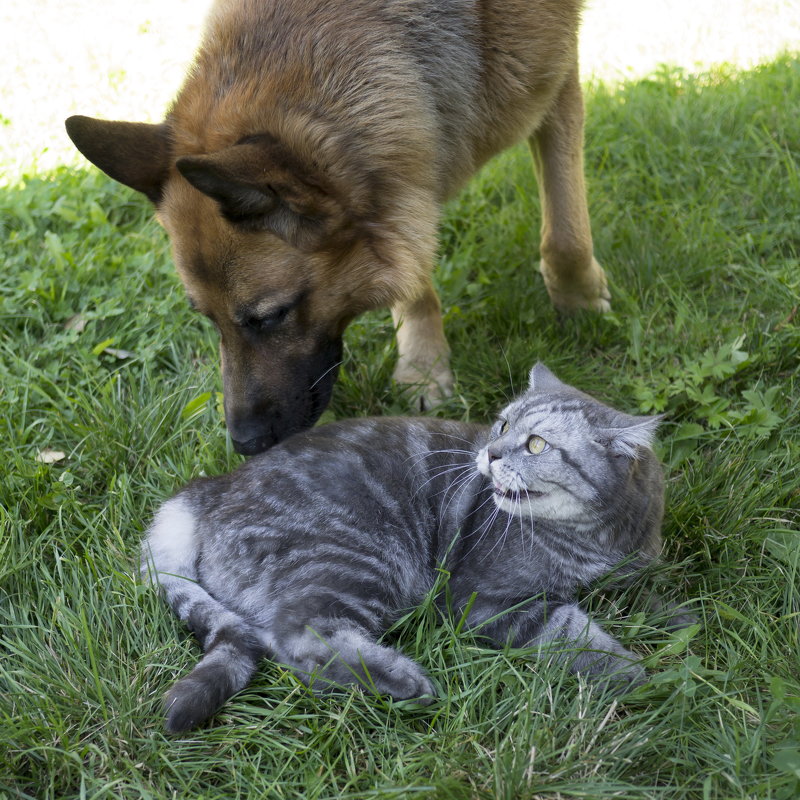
<point>108,403</point>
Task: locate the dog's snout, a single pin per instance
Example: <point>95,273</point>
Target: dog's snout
<point>255,445</point>
<point>260,411</point>
<point>253,431</point>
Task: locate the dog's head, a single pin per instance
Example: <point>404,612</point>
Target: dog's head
<point>277,250</point>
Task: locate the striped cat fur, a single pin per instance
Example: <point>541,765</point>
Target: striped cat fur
<point>309,551</point>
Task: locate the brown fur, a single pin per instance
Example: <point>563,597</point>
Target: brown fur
<point>301,170</point>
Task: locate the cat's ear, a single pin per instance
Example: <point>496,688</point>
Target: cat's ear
<point>628,432</point>
<point>540,379</point>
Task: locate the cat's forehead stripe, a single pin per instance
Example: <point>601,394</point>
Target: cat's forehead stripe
<point>548,406</point>
<point>554,417</point>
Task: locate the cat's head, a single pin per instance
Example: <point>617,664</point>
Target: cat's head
<point>557,453</point>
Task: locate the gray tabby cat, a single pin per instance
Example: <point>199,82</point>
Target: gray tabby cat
<point>309,551</point>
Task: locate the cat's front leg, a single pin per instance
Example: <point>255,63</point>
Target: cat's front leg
<point>331,654</point>
<point>568,634</point>
<point>565,633</point>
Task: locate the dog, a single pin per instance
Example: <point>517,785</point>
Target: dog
<point>301,171</point>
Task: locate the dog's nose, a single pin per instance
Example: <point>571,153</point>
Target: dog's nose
<point>251,434</point>
<point>254,429</point>
<point>250,447</point>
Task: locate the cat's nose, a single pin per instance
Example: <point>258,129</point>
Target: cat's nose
<point>492,454</point>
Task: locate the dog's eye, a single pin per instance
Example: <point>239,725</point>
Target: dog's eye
<point>269,321</point>
<point>537,445</point>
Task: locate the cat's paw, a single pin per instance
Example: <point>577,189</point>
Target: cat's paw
<point>403,680</point>
<point>679,616</point>
<point>613,667</point>
<point>586,290</point>
<point>349,658</point>
<point>621,678</point>
<point>669,614</point>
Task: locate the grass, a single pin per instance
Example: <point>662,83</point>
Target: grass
<point>695,197</point>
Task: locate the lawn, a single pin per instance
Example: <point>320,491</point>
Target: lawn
<point>108,403</point>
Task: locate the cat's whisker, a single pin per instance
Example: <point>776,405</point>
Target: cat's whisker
<point>484,529</point>
<point>510,376</point>
<point>486,526</point>
<point>489,521</point>
<point>469,442</point>
<point>296,556</point>
<point>502,538</point>
<point>445,469</point>
<point>531,520</point>
<point>456,483</point>
<point>462,483</point>
<point>420,457</point>
<point>441,474</point>
<point>441,469</point>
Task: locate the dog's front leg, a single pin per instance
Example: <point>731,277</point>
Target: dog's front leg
<point>571,274</point>
<point>423,363</point>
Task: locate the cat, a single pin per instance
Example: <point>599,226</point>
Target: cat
<point>307,552</point>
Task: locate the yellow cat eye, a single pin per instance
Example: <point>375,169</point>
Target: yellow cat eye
<point>536,445</point>
<point>504,427</point>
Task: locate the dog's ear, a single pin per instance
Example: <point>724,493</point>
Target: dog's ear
<point>133,153</point>
<point>260,187</point>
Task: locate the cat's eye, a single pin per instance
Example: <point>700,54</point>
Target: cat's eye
<point>504,427</point>
<point>537,445</point>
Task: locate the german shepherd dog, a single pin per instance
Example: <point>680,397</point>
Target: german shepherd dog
<point>301,170</point>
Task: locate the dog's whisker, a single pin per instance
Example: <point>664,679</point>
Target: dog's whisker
<point>327,372</point>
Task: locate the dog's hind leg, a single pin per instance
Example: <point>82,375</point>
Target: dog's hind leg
<point>571,274</point>
<point>423,362</point>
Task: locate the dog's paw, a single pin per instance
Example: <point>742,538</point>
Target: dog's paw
<point>426,386</point>
<point>589,290</point>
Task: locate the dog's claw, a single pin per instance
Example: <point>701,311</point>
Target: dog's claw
<point>588,291</point>
<point>426,388</point>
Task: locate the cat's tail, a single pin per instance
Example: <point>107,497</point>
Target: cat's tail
<point>232,646</point>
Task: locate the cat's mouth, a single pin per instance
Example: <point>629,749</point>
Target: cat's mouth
<point>501,493</point>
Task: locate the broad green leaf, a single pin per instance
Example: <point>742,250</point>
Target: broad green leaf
<point>788,760</point>
<point>688,430</point>
<point>784,544</point>
<point>98,348</point>
<point>196,406</point>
